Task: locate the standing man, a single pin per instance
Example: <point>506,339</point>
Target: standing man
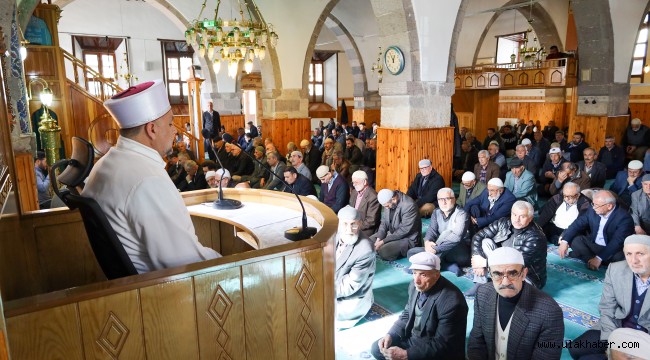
<point>211,127</point>
<point>364,199</point>
<point>142,204</point>
<point>400,228</point>
<point>424,188</point>
<point>434,320</point>
<point>355,270</point>
<point>510,306</point>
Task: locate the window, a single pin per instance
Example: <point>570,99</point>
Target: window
<point>508,45</point>
<point>178,59</point>
<point>640,50</point>
<point>102,63</point>
<point>316,85</point>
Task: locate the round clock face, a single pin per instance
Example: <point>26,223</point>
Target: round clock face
<point>394,60</point>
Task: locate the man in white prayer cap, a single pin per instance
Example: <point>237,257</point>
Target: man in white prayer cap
<point>623,301</point>
<point>355,270</point>
<point>629,344</point>
<point>491,205</point>
<point>133,189</point>
<point>400,228</point>
<point>424,188</point>
<point>511,306</point>
<point>471,188</point>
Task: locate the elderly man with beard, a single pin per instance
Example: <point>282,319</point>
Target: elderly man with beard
<point>364,199</point>
<point>518,231</point>
<point>470,188</point>
<point>400,228</point>
<point>434,320</point>
<point>446,234</point>
<point>640,208</point>
<point>512,307</point>
<point>628,181</point>
<point>562,210</point>
<point>142,204</point>
<point>491,205</point>
<point>355,270</point>
<point>623,301</point>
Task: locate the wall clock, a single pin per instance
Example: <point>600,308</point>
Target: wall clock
<point>394,60</point>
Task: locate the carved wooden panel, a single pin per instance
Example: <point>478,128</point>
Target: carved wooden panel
<point>220,315</point>
<point>457,82</point>
<point>112,327</point>
<point>26,179</point>
<point>494,80</point>
<point>469,81</point>
<point>538,79</point>
<point>169,320</point>
<point>556,77</point>
<point>48,334</point>
<point>266,311</point>
<point>508,80</point>
<point>40,62</point>
<point>523,79</point>
<point>480,81</point>
<point>305,337</point>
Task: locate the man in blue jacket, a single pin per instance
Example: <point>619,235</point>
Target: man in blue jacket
<point>628,181</point>
<point>597,236</point>
<point>491,205</point>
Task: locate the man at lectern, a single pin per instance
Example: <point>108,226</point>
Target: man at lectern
<point>133,189</point>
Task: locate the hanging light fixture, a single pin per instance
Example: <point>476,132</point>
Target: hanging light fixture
<point>23,43</point>
<point>233,40</point>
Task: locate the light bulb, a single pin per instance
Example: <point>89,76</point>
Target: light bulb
<point>46,97</point>
<point>210,52</point>
<point>248,66</point>
<point>201,50</point>
<point>232,68</point>
<point>216,66</point>
<point>23,53</point>
<point>262,52</point>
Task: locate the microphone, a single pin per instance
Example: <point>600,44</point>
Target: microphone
<point>221,203</point>
<point>293,234</point>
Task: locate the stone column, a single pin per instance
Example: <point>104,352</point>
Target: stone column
<point>367,108</point>
<point>415,126</point>
<point>285,116</point>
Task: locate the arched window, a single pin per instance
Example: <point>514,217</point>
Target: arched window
<point>639,65</point>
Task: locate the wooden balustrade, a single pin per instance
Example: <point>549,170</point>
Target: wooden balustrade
<point>89,79</point>
<point>537,74</point>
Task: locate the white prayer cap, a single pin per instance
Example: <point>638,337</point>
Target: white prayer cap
<point>526,141</point>
<point>635,165</point>
<point>322,171</point>
<point>139,104</point>
<point>424,261</point>
<point>223,172</point>
<point>638,239</point>
<point>424,163</point>
<point>384,196</point>
<point>554,150</point>
<point>468,176</point>
<point>636,121</point>
<point>360,175</point>
<point>349,213</point>
<point>505,255</point>
<point>304,143</point>
<point>622,335</point>
<point>210,174</point>
<point>296,153</point>
<point>313,197</point>
<point>496,182</point>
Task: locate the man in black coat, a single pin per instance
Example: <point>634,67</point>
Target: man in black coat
<point>300,185</point>
<point>434,320</point>
<point>561,210</point>
<point>513,319</point>
<point>596,170</point>
<point>424,188</point>
<point>312,157</point>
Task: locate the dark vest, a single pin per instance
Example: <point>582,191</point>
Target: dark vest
<point>632,319</point>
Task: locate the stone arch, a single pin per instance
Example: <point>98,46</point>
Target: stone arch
<point>451,70</point>
<point>543,25</point>
<point>647,9</point>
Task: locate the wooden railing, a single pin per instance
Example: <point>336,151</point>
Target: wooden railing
<point>89,79</point>
<point>533,74</point>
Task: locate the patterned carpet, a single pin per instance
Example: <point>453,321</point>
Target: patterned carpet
<point>576,289</point>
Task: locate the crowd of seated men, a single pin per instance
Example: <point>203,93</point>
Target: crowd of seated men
<point>502,181</point>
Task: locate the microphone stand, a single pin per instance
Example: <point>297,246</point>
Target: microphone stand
<point>221,203</point>
<point>293,234</point>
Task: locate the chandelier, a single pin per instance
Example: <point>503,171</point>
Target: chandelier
<point>233,40</point>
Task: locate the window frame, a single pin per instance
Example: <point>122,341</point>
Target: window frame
<point>100,67</point>
<point>312,82</point>
<point>643,59</point>
<point>180,99</point>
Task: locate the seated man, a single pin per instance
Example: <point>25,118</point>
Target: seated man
<point>400,228</point>
<point>295,158</point>
<point>259,174</point>
<point>521,182</point>
<point>42,180</point>
<point>492,205</point>
<point>569,171</point>
<point>334,191</point>
<point>311,157</point>
<point>364,199</point>
<point>497,158</point>
<point>220,176</point>
<point>194,179</point>
<point>446,234</point>
<point>628,181</point>
<point>424,188</point>
<point>341,165</point>
<point>538,321</point>
<point>621,335</point>
<point>300,185</point>
<point>576,147</point>
<point>612,156</point>
<point>277,167</point>
<point>549,170</point>
<point>352,153</point>
<point>623,297</point>
<point>243,165</point>
<point>533,153</point>
<point>434,320</point>
<point>355,270</point>
<point>521,153</point>
<point>518,231</point>
<point>466,161</point>
<point>596,170</point>
<point>562,210</point>
<point>486,169</point>
<point>470,188</point>
<point>640,208</point>
<point>597,236</point>
<point>636,139</point>
<point>142,204</point>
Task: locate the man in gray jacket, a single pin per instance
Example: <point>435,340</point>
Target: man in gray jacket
<point>400,228</point>
<point>445,236</point>
<point>277,165</point>
<point>355,270</point>
<point>640,209</point>
<point>622,304</point>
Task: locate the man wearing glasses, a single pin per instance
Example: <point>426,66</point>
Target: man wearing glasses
<point>513,307</point>
<point>518,231</point>
<point>562,210</point>
<point>597,236</point>
<point>424,188</point>
<point>355,270</point>
<point>400,228</point>
<point>446,233</point>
